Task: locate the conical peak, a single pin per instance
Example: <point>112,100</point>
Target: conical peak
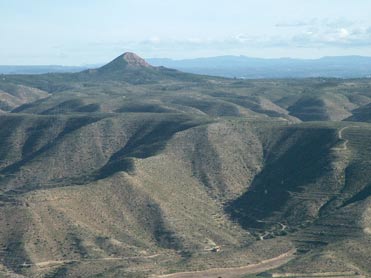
<point>127,61</point>
<point>134,60</point>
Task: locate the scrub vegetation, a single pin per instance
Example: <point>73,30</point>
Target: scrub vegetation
<point>131,170</point>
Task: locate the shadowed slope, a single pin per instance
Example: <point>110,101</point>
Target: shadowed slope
<point>298,158</point>
<point>132,170</point>
<point>362,114</point>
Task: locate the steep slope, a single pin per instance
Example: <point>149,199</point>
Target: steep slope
<point>133,171</point>
<point>322,108</point>
<point>126,60</point>
<point>298,158</point>
<point>342,232</point>
<point>362,114</point>
<point>12,96</point>
<point>314,184</point>
<point>89,189</point>
<point>144,187</point>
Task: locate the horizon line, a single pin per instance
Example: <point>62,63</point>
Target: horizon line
<point>186,59</point>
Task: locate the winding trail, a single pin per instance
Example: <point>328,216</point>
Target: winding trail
<point>235,272</point>
<point>283,228</point>
<point>346,141</point>
<point>340,135</point>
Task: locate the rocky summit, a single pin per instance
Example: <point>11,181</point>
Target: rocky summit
<point>134,60</point>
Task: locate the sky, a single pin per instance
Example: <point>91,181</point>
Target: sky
<point>85,32</point>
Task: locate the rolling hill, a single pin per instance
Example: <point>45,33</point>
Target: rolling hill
<point>131,170</point>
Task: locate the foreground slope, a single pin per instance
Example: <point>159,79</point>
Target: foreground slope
<point>135,171</point>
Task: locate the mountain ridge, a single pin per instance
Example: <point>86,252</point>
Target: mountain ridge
<point>137,171</point>
<point>251,68</point>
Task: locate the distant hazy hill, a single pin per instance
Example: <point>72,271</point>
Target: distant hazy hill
<point>38,69</point>
<point>238,66</point>
<point>247,67</point>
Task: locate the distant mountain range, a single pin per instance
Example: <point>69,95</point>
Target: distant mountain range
<point>4,69</point>
<point>247,67</point>
<point>239,67</point>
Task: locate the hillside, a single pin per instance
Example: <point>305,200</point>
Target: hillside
<point>361,114</point>
<point>131,170</point>
<point>13,95</point>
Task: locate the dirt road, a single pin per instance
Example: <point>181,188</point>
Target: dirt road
<point>47,264</point>
<point>235,272</point>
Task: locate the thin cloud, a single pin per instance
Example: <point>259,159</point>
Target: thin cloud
<point>296,24</point>
<point>309,38</point>
<point>315,22</point>
<point>338,37</point>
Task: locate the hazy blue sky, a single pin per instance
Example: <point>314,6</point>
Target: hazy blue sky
<point>74,32</point>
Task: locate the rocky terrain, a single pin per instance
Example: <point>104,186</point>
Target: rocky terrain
<point>131,170</point>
